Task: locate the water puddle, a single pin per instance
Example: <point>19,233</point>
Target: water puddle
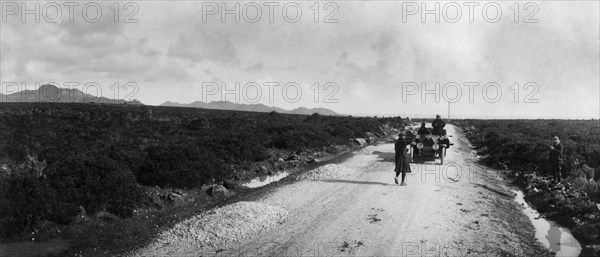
<point>265,180</point>
<point>551,235</point>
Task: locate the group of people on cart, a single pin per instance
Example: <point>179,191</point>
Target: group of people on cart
<point>428,137</point>
<point>425,136</point>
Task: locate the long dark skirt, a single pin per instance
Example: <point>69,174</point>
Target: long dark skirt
<point>402,164</point>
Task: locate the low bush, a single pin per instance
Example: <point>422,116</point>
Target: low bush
<point>26,199</point>
<point>94,183</point>
<point>183,166</point>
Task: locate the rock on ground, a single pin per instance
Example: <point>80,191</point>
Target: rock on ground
<point>360,141</point>
<point>218,191</point>
<point>216,228</point>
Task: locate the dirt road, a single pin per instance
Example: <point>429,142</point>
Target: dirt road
<point>458,209</point>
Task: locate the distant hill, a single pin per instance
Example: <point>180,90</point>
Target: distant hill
<point>50,93</point>
<point>226,105</point>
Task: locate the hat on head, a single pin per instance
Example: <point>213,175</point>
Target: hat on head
<point>437,116</point>
<point>556,140</point>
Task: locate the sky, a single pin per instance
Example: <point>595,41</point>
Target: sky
<point>501,59</point>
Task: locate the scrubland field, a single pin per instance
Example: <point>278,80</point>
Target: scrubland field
<point>522,147</point>
<point>59,159</point>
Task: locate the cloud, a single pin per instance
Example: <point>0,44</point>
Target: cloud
<point>369,51</point>
<point>82,51</point>
<point>171,73</point>
<point>198,45</point>
<point>256,67</point>
<point>373,63</point>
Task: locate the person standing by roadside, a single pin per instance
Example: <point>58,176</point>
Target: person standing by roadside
<point>401,158</point>
<point>555,159</point>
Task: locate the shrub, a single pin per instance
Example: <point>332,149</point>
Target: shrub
<point>93,182</point>
<point>26,199</point>
<point>237,148</point>
<point>343,132</point>
<point>199,123</point>
<point>296,140</point>
<point>178,166</point>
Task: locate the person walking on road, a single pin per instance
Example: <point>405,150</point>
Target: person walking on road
<point>555,159</point>
<point>401,158</point>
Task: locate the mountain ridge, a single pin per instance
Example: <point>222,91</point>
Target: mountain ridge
<point>226,105</point>
<point>51,93</point>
